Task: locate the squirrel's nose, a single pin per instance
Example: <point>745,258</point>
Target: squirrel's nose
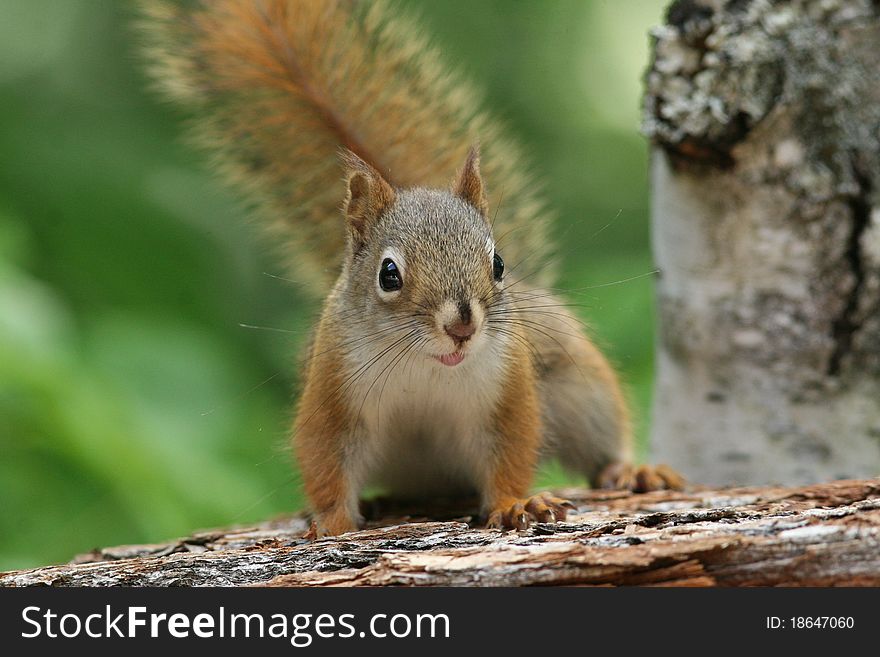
<point>460,331</point>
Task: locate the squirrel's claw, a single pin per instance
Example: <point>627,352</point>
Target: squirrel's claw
<point>641,478</point>
<point>518,514</point>
<point>313,533</point>
<point>331,524</point>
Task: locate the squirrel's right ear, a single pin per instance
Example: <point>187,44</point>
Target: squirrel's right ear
<point>368,195</point>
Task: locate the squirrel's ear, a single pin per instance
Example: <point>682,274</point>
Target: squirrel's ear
<point>368,195</point>
<point>469,183</point>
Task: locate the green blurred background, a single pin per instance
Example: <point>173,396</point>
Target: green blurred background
<point>133,405</point>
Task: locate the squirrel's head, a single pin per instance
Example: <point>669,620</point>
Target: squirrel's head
<point>423,261</point>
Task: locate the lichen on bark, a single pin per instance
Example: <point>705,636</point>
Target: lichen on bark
<point>765,118</point>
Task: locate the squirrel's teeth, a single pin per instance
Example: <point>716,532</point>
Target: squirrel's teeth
<point>451,359</point>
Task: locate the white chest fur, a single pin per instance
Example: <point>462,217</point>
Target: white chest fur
<point>426,428</point>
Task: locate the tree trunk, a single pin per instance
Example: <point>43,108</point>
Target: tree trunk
<point>765,119</point>
<point>813,536</point>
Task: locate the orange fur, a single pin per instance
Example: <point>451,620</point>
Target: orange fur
<point>320,436</point>
<point>281,85</point>
<point>518,435</point>
<point>469,185</point>
<point>368,195</point>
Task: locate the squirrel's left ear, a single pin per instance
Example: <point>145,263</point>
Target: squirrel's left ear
<point>469,185</point>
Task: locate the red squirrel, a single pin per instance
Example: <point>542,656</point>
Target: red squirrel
<point>434,368</point>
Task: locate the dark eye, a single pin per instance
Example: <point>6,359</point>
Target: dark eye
<point>497,267</point>
<point>389,276</point>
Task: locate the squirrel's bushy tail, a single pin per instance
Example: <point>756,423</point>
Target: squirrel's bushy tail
<point>277,87</point>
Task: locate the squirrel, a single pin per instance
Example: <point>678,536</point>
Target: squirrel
<point>434,369</point>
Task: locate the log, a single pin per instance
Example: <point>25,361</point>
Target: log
<point>819,535</point>
<point>765,124</point>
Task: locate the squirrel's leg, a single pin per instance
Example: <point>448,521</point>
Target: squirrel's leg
<point>323,441</point>
<point>584,413</point>
<point>327,482</point>
<point>514,456</point>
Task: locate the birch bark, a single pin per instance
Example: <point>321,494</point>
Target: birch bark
<point>765,123</point>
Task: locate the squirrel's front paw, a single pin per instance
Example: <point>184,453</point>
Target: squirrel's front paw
<point>330,524</point>
<point>513,513</point>
<point>640,478</point>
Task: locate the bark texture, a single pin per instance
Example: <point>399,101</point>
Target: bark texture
<point>765,119</point>
<point>813,536</point>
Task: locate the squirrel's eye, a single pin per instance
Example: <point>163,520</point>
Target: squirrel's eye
<point>497,267</point>
<point>389,276</point>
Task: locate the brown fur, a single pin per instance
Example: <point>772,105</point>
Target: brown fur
<point>518,435</point>
<point>281,85</point>
<point>586,419</point>
<point>368,196</point>
<point>320,437</point>
<point>469,186</point>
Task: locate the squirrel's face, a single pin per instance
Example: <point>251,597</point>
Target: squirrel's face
<point>434,270</point>
<point>425,267</point>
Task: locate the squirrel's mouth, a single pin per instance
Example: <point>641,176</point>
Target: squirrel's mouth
<point>452,359</point>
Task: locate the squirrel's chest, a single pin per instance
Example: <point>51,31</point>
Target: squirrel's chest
<point>428,401</point>
<point>429,428</point>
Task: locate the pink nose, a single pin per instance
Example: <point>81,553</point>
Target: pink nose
<point>459,331</point>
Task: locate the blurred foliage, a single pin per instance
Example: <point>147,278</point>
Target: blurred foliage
<point>133,405</point>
